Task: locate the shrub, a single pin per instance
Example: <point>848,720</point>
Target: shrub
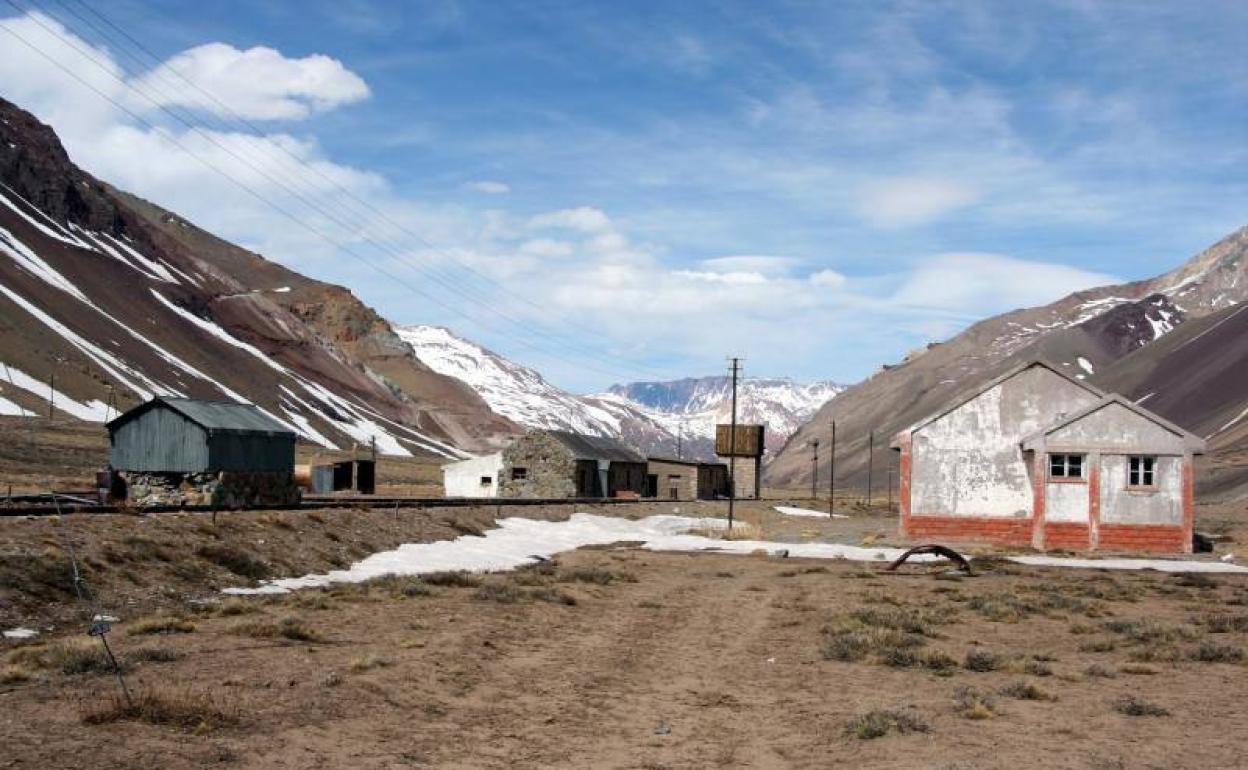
<point>159,624</point>
<point>1098,645</point>
<point>899,619</point>
<point>234,607</point>
<point>288,628</point>
<point>1038,668</point>
<point>973,704</point>
<point>69,656</point>
<point>981,661</point>
<point>1224,623</point>
<point>369,662</point>
<point>878,723</point>
<point>1096,670</point>
<point>235,560</point>
<point>47,576</point>
<point>503,593</point>
<point>145,549</point>
<point>594,575</point>
<point>154,655</point>
<point>14,674</point>
<point>553,596</point>
<point>939,661</point>
<point>1138,707</point>
<point>1026,691</point>
<point>1138,669</point>
<point>1212,652</point>
<point>189,710</point>
<point>453,579</point>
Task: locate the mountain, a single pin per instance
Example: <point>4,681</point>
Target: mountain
<point>1090,332</point>
<point>107,300</point>
<point>653,417</point>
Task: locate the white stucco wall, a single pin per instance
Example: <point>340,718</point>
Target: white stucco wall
<point>1066,501</point>
<point>1120,505</point>
<point>968,462</point>
<point>463,478</point>
<point>1116,427</point>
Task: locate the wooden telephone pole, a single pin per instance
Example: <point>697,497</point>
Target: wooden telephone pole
<point>732,445</point>
<point>832,472</point>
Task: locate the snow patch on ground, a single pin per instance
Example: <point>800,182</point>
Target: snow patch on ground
<point>91,411</point>
<point>1085,365</point>
<point>787,511</point>
<point>20,633</point>
<point>517,541</point>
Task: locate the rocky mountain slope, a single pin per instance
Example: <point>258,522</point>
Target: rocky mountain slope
<point>1088,332</point>
<point>107,300</point>
<point>651,416</point>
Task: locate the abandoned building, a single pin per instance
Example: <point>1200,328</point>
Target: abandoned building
<point>556,463</point>
<point>473,477</point>
<point>175,451</point>
<point>670,479</point>
<point>1037,458</point>
<point>744,458</point>
<point>355,475</point>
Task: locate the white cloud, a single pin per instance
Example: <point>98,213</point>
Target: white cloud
<point>827,279</point>
<point>258,83</point>
<point>488,187</point>
<point>547,247</point>
<point>764,265</point>
<point>978,284</point>
<point>906,201</point>
<point>584,218</point>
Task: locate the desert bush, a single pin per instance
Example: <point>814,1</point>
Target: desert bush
<point>553,596</point>
<point>154,655</point>
<point>1037,668</point>
<point>452,579</point>
<point>939,661</point>
<point>1224,623</point>
<point>1133,706</point>
<point>981,661</point>
<point>974,704</point>
<point>234,607</point>
<point>145,549</point>
<point>1137,669</point>
<point>47,576</point>
<point>287,628</point>
<point>69,656</point>
<point>1156,653</point>
<point>191,710</point>
<point>1096,670</point>
<point>1098,645</point>
<point>1151,632</point>
<point>594,575</point>
<point>369,662</point>
<point>235,560</point>
<point>851,641</point>
<point>15,674</point>
<point>159,624</point>
<point>1013,607</point>
<point>1026,691</point>
<point>880,722</point>
<point>1213,652</point>
<point>503,593</point>
<point>903,619</point>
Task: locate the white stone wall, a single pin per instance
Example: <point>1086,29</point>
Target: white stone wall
<point>463,478</point>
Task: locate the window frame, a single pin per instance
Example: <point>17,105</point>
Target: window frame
<point>1065,476</point>
<point>1142,472</point>
<point>519,473</point>
<point>487,481</point>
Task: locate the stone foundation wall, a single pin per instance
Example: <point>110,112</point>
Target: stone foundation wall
<point>223,489</point>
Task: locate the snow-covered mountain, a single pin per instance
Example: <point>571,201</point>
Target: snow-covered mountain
<point>659,418</point>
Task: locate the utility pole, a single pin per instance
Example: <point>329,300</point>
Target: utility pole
<point>51,394</point>
<point>732,445</point>
<point>832,472</point>
<point>680,433</point>
<point>870,463</point>
<point>890,485</point>
<point>814,471</point>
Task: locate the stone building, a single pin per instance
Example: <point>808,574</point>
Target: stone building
<point>555,463</point>
<point>670,479</point>
<point>473,477</point>
<point>1037,458</point>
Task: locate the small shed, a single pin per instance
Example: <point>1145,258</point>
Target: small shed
<point>182,435</point>
<point>556,463</point>
<point>671,479</point>
<point>743,452</point>
<point>473,477</point>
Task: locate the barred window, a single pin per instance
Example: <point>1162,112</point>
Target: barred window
<point>1141,471</point>
<point>519,474</point>
<point>1065,466</point>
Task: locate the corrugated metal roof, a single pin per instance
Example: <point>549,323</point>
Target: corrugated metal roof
<point>596,447</point>
<point>214,416</point>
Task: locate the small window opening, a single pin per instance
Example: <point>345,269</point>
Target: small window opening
<point>1141,471</point>
<point>1065,466</point>
<point>487,480</point>
<point>519,474</point>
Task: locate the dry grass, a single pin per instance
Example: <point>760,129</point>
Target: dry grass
<point>595,575</point>
<point>881,722</point>
<point>1138,707</point>
<point>235,560</point>
<point>159,624</point>
<point>235,606</point>
<point>502,593</point>
<point>741,530</point>
<point>287,628</point>
<point>158,654</point>
<point>981,661</point>
<point>1026,691</point>
<point>453,579</point>
<point>69,656</point>
<point>971,703</point>
<point>195,711</point>
<point>15,674</point>
<point>369,662</point>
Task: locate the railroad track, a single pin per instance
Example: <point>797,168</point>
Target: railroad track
<point>31,505</point>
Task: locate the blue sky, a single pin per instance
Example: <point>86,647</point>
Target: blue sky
<point>641,189</point>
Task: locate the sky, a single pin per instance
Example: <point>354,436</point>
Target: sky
<point>614,192</point>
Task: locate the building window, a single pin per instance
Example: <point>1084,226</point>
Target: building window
<point>519,474</point>
<point>1141,471</point>
<point>487,480</point>
<point>1066,466</point>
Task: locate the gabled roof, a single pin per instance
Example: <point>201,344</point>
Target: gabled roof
<point>212,416</point>
<point>585,447</point>
<point>691,463</point>
<point>967,396</point>
<point>1192,442</point>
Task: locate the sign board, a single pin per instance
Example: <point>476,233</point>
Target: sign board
<point>748,443</point>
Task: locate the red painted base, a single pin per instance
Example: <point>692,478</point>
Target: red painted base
<point>1063,536</point>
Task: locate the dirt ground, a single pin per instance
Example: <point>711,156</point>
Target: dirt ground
<point>616,658</point>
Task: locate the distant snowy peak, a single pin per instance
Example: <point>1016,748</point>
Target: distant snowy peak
<point>655,417</point>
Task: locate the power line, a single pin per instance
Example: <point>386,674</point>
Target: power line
<point>445,279</point>
<point>261,198</point>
